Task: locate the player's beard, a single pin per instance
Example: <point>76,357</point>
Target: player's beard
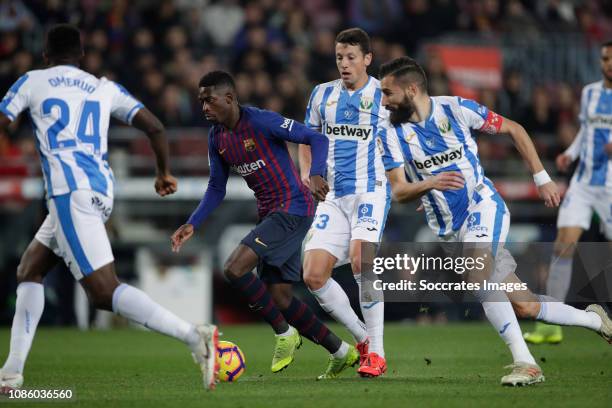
<point>403,112</point>
<point>608,77</point>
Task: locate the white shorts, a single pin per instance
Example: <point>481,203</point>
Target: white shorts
<point>579,203</point>
<point>74,230</point>
<point>488,222</point>
<point>338,221</point>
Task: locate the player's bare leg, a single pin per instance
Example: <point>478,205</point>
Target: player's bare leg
<point>373,364</point>
<point>35,262</point>
<point>558,282</point>
<point>107,293</point>
<point>318,266</point>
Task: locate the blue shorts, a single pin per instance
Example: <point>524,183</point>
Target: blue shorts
<point>277,240</point>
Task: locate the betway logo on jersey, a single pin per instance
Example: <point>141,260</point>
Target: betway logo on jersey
<point>440,160</point>
<point>600,120</point>
<point>348,132</point>
<point>249,168</point>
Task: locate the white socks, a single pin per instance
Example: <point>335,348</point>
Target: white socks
<point>137,306</point>
<point>28,309</point>
<point>500,314</point>
<point>559,277</point>
<point>335,302</point>
<point>374,317</point>
<point>555,312</point>
<point>341,352</point>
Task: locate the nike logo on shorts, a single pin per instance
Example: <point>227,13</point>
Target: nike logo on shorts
<point>259,241</point>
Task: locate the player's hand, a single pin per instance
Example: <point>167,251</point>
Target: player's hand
<point>563,162</point>
<point>449,180</point>
<point>181,236</point>
<point>305,179</point>
<point>165,184</point>
<point>319,187</point>
<point>549,193</point>
<point>608,148</point>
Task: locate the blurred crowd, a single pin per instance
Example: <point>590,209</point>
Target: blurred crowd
<point>279,49</point>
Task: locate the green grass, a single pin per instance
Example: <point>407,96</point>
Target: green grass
<point>131,368</point>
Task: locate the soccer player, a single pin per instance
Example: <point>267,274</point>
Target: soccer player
<point>590,189</point>
<point>70,110</point>
<point>252,143</point>
<point>348,111</point>
<point>433,134</point>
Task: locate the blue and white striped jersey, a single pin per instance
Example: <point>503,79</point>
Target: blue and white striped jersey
<point>444,142</point>
<point>595,117</point>
<point>351,121</point>
<point>70,110</point>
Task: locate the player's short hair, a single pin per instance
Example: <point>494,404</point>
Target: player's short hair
<point>218,78</point>
<point>405,69</point>
<point>355,36</point>
<point>606,44</point>
<point>63,41</point>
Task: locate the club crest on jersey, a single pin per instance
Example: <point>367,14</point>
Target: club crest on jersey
<point>249,144</point>
<point>366,103</point>
<point>444,127</point>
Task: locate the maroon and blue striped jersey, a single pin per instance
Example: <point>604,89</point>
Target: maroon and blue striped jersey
<point>256,149</point>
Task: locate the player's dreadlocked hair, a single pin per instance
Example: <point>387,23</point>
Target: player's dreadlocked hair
<point>218,78</point>
<point>405,69</point>
<point>63,41</point>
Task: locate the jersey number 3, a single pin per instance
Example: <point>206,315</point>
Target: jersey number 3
<point>90,114</point>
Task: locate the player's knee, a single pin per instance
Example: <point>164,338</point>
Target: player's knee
<point>232,271</point>
<point>314,280</point>
<point>102,299</point>
<point>526,310</point>
<point>282,299</point>
<point>356,264</point>
<point>25,272</point>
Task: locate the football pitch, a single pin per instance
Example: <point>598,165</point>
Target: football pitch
<point>429,366</point>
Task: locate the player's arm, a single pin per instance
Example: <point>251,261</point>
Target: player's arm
<point>147,122</point>
<point>313,121</point>
<point>131,111</point>
<point>15,101</point>
<point>401,188</point>
<point>5,121</point>
<point>214,195</point>
<point>404,191</point>
<point>292,131</point>
<point>565,159</point>
<point>305,160</point>
<point>546,187</point>
<point>479,117</point>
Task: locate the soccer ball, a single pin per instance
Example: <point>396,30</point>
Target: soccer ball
<point>231,361</point>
